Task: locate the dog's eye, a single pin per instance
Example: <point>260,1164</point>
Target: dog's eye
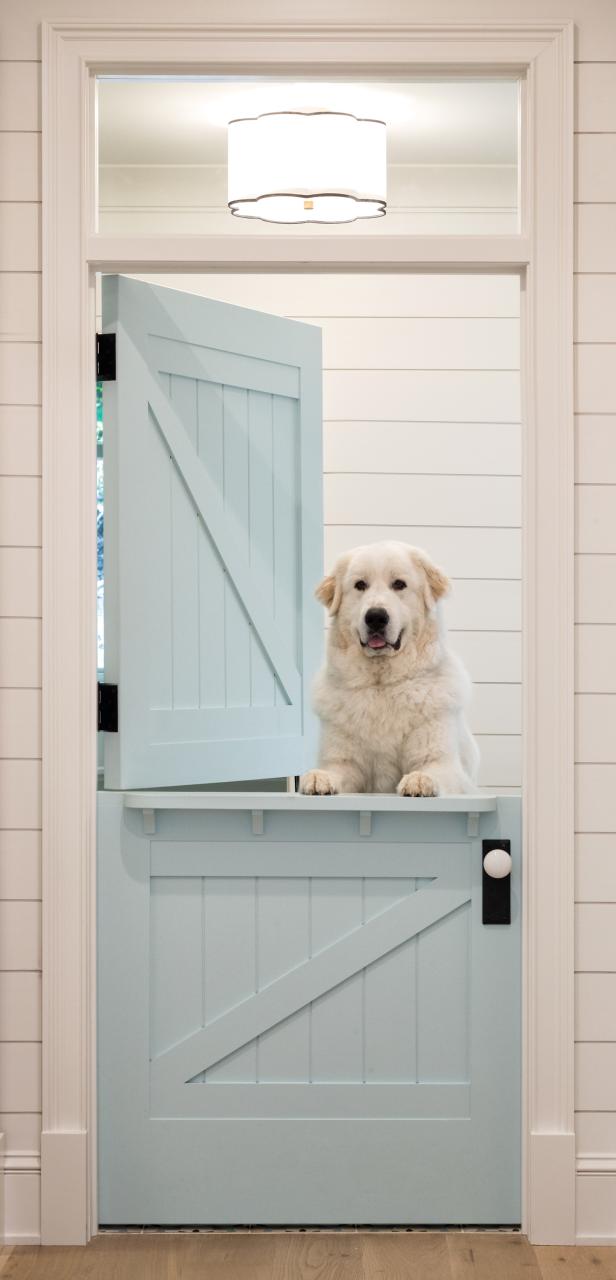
<point>361,585</point>
<point>398,585</point>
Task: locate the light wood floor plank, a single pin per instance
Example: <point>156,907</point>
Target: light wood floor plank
<point>305,1256</point>
<point>580,1262</point>
<point>483,1256</point>
<point>335,1256</point>
<point>402,1256</point>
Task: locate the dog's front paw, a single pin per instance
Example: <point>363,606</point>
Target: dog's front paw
<point>317,783</point>
<point>417,784</point>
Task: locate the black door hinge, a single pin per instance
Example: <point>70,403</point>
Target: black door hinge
<point>108,707</point>
<point>105,357</point>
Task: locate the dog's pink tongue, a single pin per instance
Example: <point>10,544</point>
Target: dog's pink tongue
<point>376,642</point>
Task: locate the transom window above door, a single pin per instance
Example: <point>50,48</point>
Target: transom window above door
<point>443,153</point>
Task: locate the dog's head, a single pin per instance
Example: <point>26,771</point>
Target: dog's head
<point>381,596</point>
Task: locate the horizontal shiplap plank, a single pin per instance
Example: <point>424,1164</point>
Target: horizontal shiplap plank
<point>595,377</point>
<point>422,396</point>
<point>440,343</point>
<point>595,167</point>
<point>595,309</point>
<point>595,1133</point>
<point>20,795</point>
<point>595,588</point>
<point>595,795</point>
<point>20,511</point>
<point>489,655</point>
<point>20,582</point>
<point>20,166</point>
<point>500,762</point>
<point>595,518</point>
<point>484,606</point>
<point>595,447</point>
<point>20,373</point>
<point>20,237</point>
<point>20,95</point>
<point>595,728</point>
<point>20,653</point>
<point>496,709</point>
<point>595,97</point>
<point>595,1077</point>
<point>595,937</point>
<point>595,237</point>
<point>448,448</point>
<point>20,1077</point>
<point>595,867</point>
<point>20,864</point>
<point>22,1131</point>
<point>595,654</point>
<point>20,305</point>
<point>436,499</point>
<point>20,935</point>
<point>463,553</point>
<point>20,439</point>
<point>307,297</point>
<point>595,1006</point>
<point>20,1006</point>
<point>20,723</point>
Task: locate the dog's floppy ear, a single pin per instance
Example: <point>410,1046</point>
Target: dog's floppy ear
<point>437,582</point>
<point>329,591</point>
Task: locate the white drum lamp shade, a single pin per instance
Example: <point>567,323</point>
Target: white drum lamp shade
<point>317,166</point>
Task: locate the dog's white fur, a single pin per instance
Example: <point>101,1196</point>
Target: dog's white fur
<point>392,718</point>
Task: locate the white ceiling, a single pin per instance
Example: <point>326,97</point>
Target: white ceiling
<point>150,121</point>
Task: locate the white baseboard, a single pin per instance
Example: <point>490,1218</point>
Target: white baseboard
<point>22,1207</point>
<point>2,1219</point>
<point>64,1168</point>
<point>596,1206</point>
<point>552,1188</point>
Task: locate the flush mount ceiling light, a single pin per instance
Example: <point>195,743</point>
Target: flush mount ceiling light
<point>307,166</point>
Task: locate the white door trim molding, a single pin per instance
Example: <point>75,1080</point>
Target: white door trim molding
<point>542,52</point>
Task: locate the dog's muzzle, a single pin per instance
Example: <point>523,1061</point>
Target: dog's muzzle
<point>376,622</point>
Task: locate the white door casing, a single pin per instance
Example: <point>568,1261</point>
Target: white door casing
<point>542,52</point>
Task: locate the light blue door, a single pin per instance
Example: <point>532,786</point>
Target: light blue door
<point>303,1018</point>
<point>213,538</point>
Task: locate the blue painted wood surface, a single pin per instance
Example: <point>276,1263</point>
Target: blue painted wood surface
<point>308,1025</point>
<point>213,538</point>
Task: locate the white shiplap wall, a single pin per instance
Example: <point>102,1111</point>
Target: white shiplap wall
<point>595,41</point>
<point>421,404</point>
<point>20,642</point>
<point>596,647</point>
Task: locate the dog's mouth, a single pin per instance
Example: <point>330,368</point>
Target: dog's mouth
<point>377,641</point>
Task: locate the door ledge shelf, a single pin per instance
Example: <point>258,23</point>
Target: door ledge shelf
<point>259,800</point>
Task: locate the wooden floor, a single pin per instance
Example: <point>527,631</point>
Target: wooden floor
<point>319,1256</point>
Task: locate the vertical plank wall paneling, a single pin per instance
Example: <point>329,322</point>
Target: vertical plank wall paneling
<point>595,563</point>
<point>20,642</point>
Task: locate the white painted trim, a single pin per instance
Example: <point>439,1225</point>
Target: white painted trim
<point>2,1172</point>
<point>64,1188</point>
<point>314,253</point>
<point>22,1161</point>
<point>596,1164</point>
<point>71,247</point>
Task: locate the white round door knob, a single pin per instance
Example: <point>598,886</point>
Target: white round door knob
<point>497,863</point>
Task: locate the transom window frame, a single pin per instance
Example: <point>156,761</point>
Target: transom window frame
<point>541,53</point>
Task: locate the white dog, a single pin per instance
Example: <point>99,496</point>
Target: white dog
<point>391,696</point>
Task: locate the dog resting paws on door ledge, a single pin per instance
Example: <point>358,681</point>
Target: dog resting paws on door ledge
<point>391,696</point>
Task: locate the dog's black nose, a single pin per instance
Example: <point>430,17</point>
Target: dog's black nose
<point>376,619</point>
